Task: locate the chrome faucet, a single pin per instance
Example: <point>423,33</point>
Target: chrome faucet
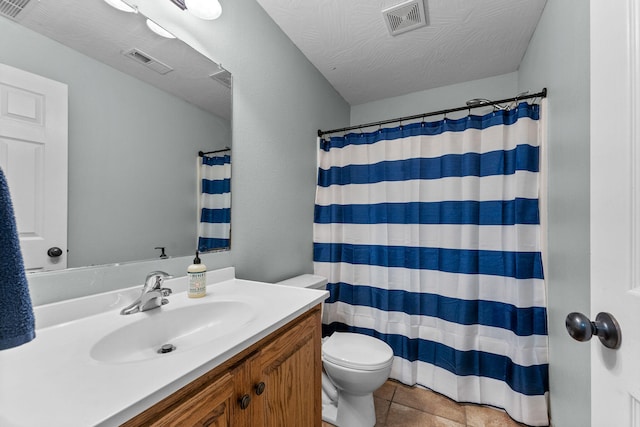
<point>152,295</point>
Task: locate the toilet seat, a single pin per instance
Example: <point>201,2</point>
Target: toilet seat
<point>357,351</point>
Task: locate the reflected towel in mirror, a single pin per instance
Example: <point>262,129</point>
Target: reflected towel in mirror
<point>17,321</point>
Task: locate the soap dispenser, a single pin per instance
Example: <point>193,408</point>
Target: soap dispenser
<point>197,273</point>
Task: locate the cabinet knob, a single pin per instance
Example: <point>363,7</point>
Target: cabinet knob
<point>260,388</point>
<point>244,401</point>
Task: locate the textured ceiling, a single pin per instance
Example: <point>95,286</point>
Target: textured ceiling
<point>348,41</point>
<point>98,30</point>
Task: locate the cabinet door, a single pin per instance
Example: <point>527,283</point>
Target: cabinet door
<point>210,407</point>
<point>243,398</point>
<point>290,368</point>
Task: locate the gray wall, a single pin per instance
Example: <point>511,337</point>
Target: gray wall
<point>499,87</point>
<point>558,58</point>
<point>131,148</point>
<point>280,100</point>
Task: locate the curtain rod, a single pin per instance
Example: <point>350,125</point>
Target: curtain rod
<point>202,153</point>
<point>474,103</point>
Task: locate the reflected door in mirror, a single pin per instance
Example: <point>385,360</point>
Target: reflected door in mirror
<point>33,154</point>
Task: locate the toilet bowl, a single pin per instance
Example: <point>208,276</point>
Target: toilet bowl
<point>354,366</point>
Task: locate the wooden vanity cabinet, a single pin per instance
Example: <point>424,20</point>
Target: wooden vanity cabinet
<point>208,407</point>
<point>290,369</point>
<point>275,382</point>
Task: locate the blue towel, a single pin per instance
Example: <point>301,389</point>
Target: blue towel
<point>17,322</point>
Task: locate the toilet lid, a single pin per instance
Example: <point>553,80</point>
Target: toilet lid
<point>356,351</point>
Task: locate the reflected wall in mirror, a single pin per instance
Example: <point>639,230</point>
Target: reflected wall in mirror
<point>141,107</point>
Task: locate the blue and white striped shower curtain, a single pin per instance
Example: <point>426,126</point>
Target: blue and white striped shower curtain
<point>429,235</point>
<point>215,203</point>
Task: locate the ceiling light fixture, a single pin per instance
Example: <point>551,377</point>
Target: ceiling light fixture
<point>120,5</point>
<point>159,30</point>
<point>204,9</point>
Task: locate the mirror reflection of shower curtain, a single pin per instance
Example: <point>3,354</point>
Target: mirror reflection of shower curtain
<point>429,235</point>
<point>214,229</point>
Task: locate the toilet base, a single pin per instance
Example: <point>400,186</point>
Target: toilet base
<point>329,412</point>
<point>350,410</point>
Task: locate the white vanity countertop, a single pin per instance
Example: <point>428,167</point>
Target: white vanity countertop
<point>54,381</point>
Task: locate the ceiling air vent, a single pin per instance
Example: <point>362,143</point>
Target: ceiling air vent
<point>12,8</point>
<point>405,16</point>
<point>147,60</point>
<point>223,76</point>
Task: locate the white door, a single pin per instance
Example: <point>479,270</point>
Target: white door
<point>33,155</point>
<point>615,208</point>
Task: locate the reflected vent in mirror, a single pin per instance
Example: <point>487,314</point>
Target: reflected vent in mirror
<point>12,8</point>
<point>223,76</point>
<point>147,60</point>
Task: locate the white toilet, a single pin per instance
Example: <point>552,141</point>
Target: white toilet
<point>355,365</point>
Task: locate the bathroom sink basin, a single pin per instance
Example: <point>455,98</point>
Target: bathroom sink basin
<point>161,332</point>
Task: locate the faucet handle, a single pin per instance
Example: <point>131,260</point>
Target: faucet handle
<point>154,280</point>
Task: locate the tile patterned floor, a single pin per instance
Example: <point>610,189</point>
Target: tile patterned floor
<point>400,406</point>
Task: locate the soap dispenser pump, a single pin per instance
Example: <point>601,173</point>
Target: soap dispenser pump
<point>197,273</point>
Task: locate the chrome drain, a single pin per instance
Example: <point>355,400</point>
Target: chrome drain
<point>166,348</point>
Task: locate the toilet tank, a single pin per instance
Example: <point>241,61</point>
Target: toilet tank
<point>310,281</point>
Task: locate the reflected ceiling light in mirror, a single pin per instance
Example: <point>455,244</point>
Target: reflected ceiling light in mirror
<point>159,30</point>
<point>204,9</point>
<point>120,5</point>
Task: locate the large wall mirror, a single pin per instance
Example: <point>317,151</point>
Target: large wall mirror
<point>141,108</point>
